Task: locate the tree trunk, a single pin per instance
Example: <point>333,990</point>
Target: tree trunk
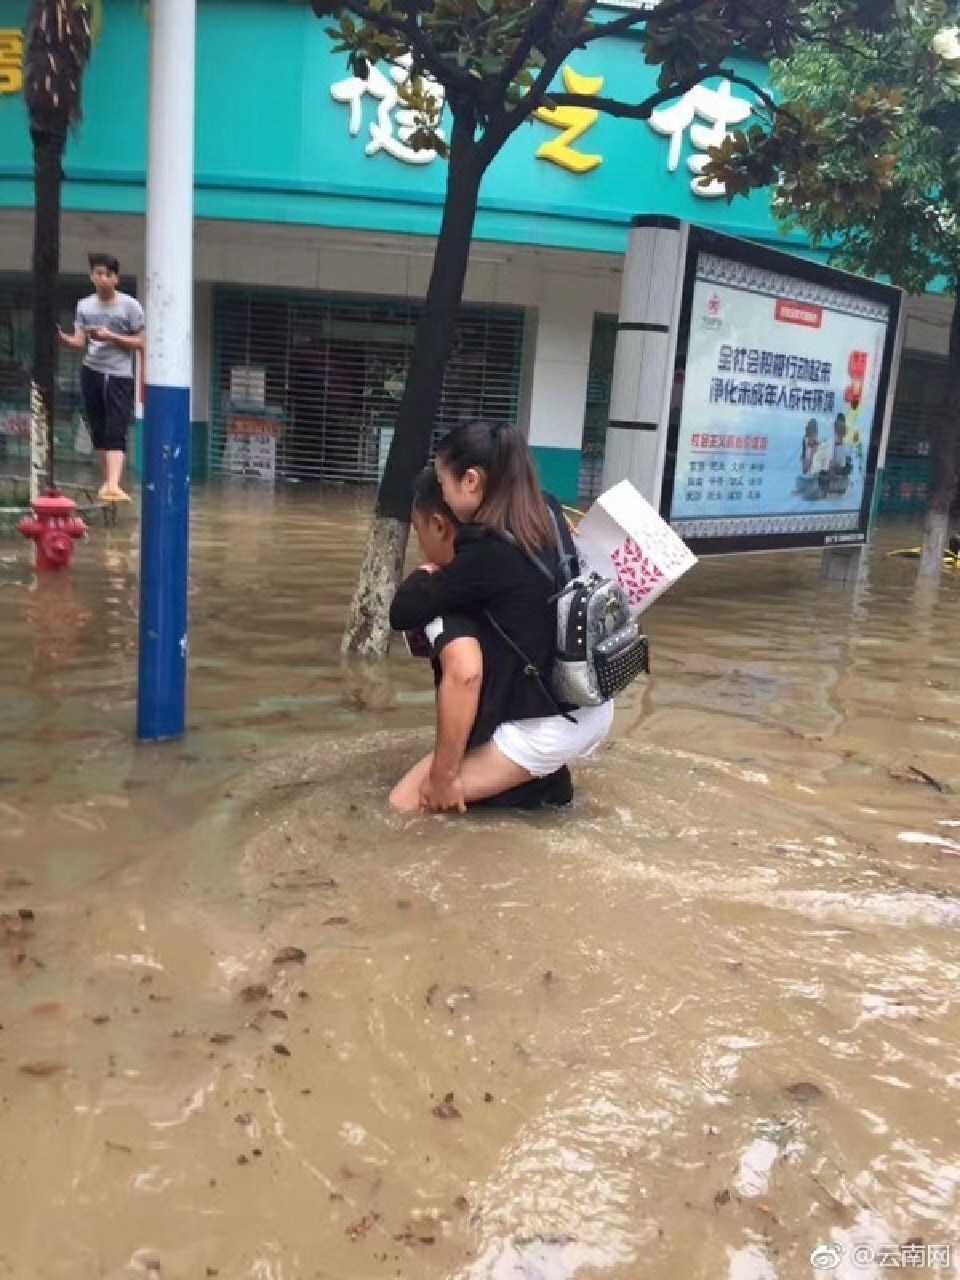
<point>367,634</point>
<point>943,458</point>
<point>48,176</point>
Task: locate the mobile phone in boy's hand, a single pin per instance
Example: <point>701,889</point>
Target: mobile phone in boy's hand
<point>418,646</point>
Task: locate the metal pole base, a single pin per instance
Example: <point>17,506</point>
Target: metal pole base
<point>165,527</point>
<point>841,565</point>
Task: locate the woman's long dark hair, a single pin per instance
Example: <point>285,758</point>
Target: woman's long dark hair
<point>512,499</point>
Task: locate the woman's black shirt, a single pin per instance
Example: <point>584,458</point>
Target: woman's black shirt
<point>492,578</point>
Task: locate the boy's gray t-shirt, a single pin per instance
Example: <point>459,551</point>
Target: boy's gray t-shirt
<point>123,315</point>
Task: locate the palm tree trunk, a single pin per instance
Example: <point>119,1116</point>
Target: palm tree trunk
<point>48,177</point>
<point>367,633</point>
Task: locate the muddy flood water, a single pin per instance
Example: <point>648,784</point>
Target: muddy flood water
<point>252,1027</point>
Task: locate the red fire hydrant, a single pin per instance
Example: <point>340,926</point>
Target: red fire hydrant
<point>54,528</point>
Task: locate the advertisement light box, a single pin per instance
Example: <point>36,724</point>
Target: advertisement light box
<point>768,404</point>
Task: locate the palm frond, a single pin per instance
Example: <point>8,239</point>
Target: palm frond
<point>59,37</point>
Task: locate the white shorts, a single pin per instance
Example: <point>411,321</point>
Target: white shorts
<point>544,745</point>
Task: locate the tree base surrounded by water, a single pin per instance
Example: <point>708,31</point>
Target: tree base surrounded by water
<point>936,526</point>
<point>367,633</point>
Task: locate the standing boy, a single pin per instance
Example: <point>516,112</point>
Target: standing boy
<point>108,330</point>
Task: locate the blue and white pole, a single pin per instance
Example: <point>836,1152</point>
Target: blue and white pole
<point>161,692</point>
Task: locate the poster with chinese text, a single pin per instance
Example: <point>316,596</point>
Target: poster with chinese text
<point>780,398</point>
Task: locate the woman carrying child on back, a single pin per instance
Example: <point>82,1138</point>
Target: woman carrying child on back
<point>487,475</point>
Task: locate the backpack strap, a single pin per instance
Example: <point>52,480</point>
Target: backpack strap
<point>529,668</point>
<point>567,559</point>
<point>529,555</point>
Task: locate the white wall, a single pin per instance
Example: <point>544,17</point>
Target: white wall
<point>81,234</point>
<point>928,324</point>
<point>561,362</point>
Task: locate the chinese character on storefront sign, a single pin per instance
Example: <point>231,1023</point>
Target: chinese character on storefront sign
<point>11,61</point>
<point>720,108</point>
<point>574,121</point>
<point>395,125</point>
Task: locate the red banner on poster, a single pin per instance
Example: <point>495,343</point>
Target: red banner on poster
<point>788,312</point>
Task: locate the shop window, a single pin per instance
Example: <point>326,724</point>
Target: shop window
<point>307,387</point>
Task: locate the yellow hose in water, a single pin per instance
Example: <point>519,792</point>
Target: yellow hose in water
<point>951,559</point>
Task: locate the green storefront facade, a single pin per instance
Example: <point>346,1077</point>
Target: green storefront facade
<point>313,240</point>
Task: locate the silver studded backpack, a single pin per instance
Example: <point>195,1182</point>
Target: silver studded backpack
<point>600,648</point>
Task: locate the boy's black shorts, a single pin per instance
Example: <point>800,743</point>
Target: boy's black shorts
<point>108,404</point>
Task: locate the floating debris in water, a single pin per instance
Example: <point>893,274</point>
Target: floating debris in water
<point>414,1237</point>
<point>256,991</point>
<point>42,1069</point>
<point>805,1092</point>
<point>50,1009</point>
<point>361,1229</point>
<point>446,1110</point>
<point>456,997</point>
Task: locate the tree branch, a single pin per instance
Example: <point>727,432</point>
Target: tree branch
<point>635,18</point>
<point>633,110</point>
<point>764,95</point>
<point>444,72</point>
<point>643,110</point>
<point>406,28</point>
<point>501,126</point>
<point>543,10</point>
<point>498,131</point>
<point>664,12</point>
<point>501,130</point>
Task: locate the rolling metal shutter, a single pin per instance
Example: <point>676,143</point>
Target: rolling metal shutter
<point>921,384</point>
<point>597,417</point>
<point>306,386</point>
